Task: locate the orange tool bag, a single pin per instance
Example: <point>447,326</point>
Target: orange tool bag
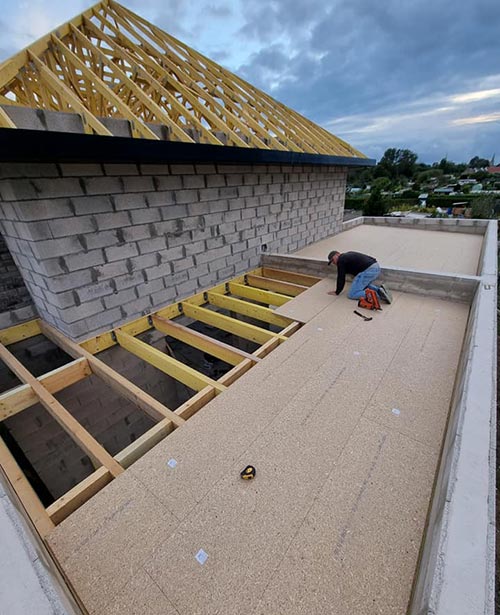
<point>370,300</point>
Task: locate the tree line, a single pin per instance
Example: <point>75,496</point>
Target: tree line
<point>398,171</point>
<point>398,167</point>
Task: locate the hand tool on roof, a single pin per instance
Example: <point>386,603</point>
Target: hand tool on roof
<point>366,318</point>
<point>248,473</point>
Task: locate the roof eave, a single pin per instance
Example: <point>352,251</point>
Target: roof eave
<point>23,145</point>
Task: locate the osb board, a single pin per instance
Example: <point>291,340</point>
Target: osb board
<point>437,251</point>
<point>345,437</point>
<point>311,302</point>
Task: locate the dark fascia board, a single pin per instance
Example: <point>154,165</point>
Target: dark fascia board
<point>23,145</point>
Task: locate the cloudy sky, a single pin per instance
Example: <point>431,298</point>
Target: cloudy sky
<point>422,75</point>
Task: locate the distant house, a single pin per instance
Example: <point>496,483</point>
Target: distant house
<point>422,198</point>
<point>493,170</point>
<point>445,190</point>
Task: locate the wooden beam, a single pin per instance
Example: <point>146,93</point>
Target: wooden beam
<point>90,123</point>
<point>168,365</point>
<point>231,325</point>
<point>25,492</point>
<point>5,121</point>
<point>285,288</point>
<point>292,328</point>
<point>244,366</point>
<point>10,68</point>
<point>157,87</point>
<point>22,397</point>
<point>137,128</point>
<point>144,443</point>
<point>204,343</point>
<point>80,435</point>
<point>106,340</point>
<point>196,403</point>
<point>256,294</point>
<point>115,380</point>
<point>247,309</point>
<point>14,334</point>
<point>290,276</point>
<point>78,495</point>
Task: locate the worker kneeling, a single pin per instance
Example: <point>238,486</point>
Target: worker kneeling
<point>365,270</point>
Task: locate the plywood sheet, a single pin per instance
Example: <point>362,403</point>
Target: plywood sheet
<point>356,549</point>
<point>311,302</point>
<point>333,520</point>
<point>438,251</point>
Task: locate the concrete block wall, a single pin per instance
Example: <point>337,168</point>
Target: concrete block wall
<point>111,419</point>
<point>100,244</point>
<point>13,291</point>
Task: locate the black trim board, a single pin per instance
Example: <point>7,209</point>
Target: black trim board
<point>23,145</point>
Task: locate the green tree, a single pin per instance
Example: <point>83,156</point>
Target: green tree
<point>483,207</point>
<point>479,163</point>
<point>396,163</point>
<point>375,205</point>
<point>381,183</point>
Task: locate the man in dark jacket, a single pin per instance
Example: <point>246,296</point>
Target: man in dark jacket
<point>365,270</point>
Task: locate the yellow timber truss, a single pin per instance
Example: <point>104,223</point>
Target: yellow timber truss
<point>109,62</point>
<point>248,295</point>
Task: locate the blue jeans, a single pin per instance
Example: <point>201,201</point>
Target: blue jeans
<point>363,280</point>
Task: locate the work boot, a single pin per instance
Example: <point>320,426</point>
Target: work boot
<point>385,294</point>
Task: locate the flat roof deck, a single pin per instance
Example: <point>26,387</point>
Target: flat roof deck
<point>344,424</point>
<point>438,251</point>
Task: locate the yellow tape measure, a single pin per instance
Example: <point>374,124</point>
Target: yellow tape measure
<point>248,473</point>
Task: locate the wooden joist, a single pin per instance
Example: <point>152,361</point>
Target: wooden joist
<point>257,294</point>
<point>25,492</point>
<point>115,380</point>
<point>80,435</point>
<point>79,494</point>
<point>204,343</point>
<point>191,406</point>
<point>277,286</point>
<point>14,334</point>
<point>245,308</point>
<point>290,276</point>
<point>23,396</point>
<point>231,325</point>
<point>144,443</point>
<point>168,365</point>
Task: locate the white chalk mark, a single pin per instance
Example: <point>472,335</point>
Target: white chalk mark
<point>201,557</point>
<point>171,463</point>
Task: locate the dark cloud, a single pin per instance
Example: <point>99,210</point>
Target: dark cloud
<point>265,20</point>
<point>357,56</point>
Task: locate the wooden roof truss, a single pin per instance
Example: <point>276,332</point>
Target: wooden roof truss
<point>109,62</point>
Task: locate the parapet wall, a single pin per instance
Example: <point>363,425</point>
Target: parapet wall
<point>98,245</point>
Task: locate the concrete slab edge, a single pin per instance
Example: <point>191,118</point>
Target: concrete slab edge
<point>453,225</point>
<point>456,572</point>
